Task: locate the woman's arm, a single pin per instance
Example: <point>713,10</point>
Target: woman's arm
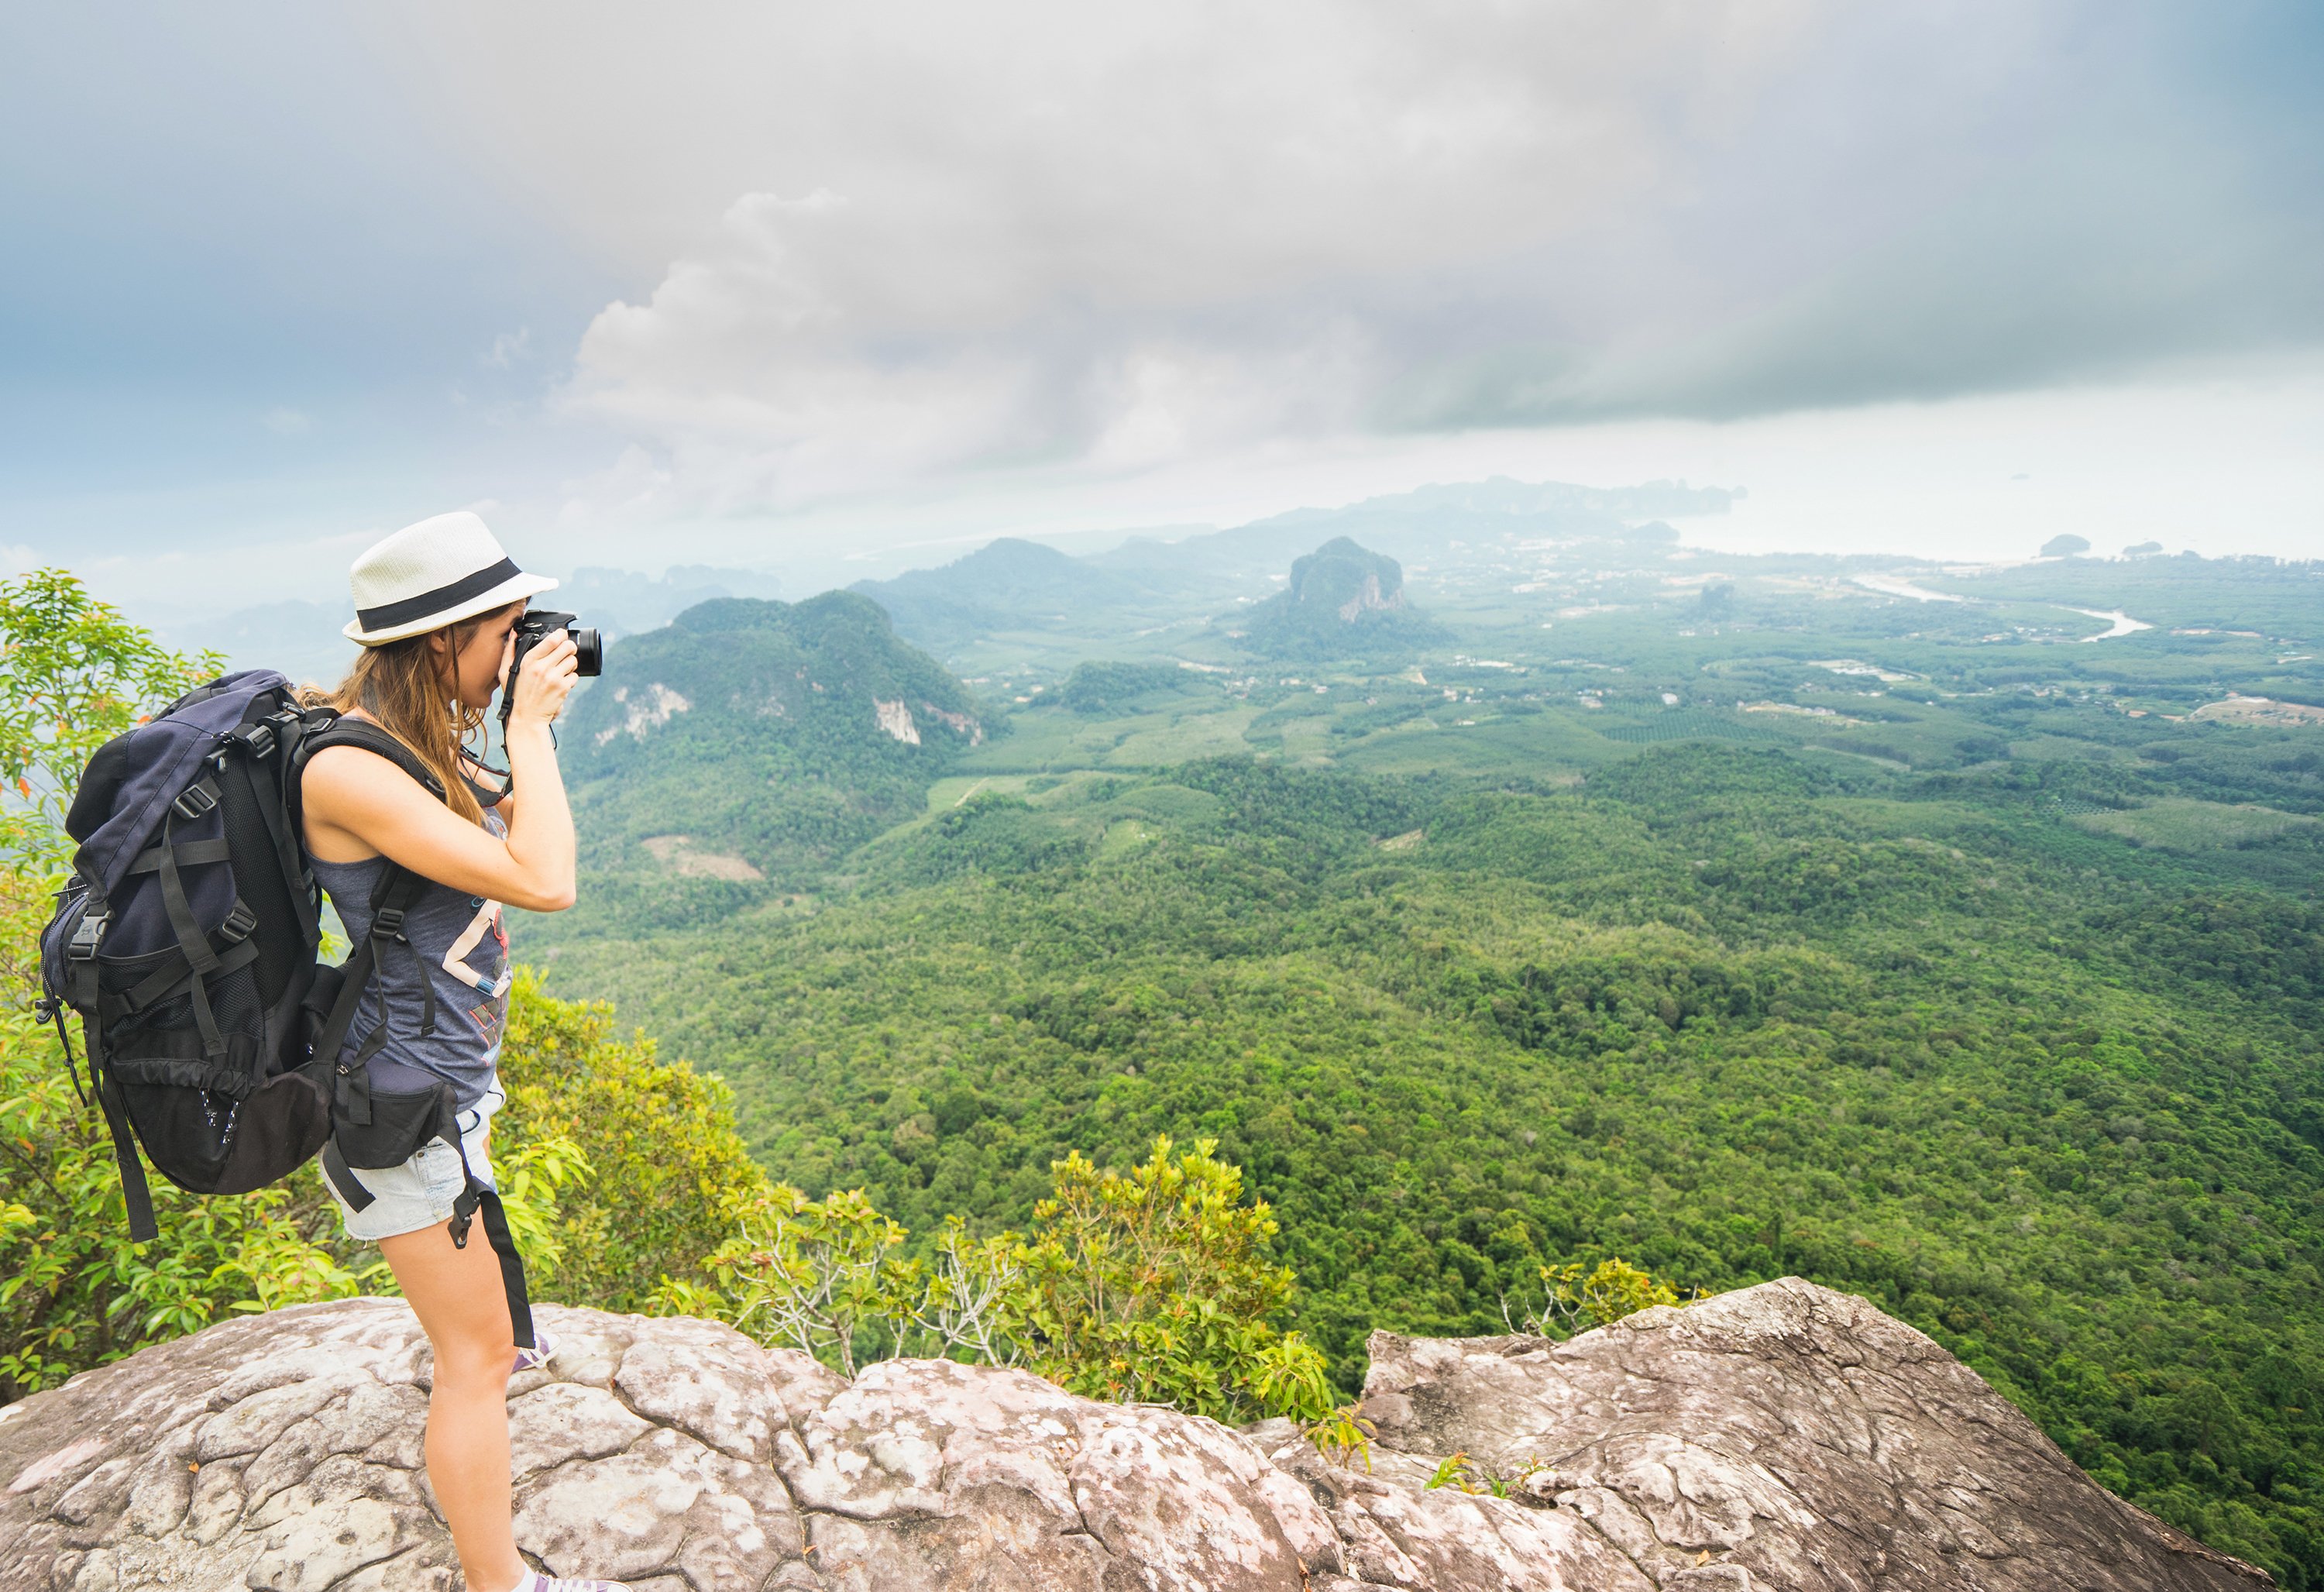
<point>358,805</point>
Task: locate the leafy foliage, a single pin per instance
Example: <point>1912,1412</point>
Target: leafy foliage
<point>656,1176</point>
<point>73,675</point>
<point>1099,689</point>
<point>1149,1285</point>
<point>1152,1286</point>
<point>1720,1012</point>
<point>1575,1299</point>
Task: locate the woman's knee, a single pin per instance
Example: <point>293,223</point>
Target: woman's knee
<point>471,1357</point>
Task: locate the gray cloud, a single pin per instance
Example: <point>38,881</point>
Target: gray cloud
<point>901,241</point>
<point>956,237</point>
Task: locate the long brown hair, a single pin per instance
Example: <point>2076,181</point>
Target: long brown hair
<point>407,687</point>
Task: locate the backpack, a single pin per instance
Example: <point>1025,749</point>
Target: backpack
<point>186,941</point>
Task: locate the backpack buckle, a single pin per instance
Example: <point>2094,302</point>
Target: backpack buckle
<point>258,738</point>
<point>86,935</point>
<point>195,800</point>
<point>388,923</point>
<point>238,924</point>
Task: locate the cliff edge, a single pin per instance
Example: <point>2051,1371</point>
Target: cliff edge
<point>1779,1437</point>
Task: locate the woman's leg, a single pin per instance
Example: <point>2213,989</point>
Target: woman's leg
<point>458,1296</point>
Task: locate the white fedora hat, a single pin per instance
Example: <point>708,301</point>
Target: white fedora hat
<point>432,574</point>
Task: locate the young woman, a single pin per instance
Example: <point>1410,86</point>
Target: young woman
<point>436,605</point>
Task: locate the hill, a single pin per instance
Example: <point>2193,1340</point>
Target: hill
<point>1007,584</point>
<point>752,740</point>
<point>1344,602</point>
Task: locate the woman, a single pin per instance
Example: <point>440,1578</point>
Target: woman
<point>436,606</point>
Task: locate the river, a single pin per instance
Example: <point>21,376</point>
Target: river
<point>2124,624</point>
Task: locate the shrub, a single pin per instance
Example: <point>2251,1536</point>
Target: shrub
<point>659,1178</point>
<point>1574,1299</point>
<point>1149,1285</point>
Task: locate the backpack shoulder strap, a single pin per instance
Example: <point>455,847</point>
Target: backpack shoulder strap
<point>396,892</point>
<point>346,731</point>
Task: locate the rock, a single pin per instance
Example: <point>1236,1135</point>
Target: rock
<point>1784,1436</point>
<point>1797,1437</point>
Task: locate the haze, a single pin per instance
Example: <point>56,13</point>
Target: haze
<point>778,286</point>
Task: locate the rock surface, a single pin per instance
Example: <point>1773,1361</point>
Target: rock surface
<point>1781,1437</point>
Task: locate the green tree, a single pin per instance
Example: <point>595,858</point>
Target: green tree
<point>1576,1297</point>
<point>73,675</point>
<point>668,1180</point>
<point>1155,1285</point>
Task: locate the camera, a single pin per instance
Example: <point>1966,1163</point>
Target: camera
<point>537,626</point>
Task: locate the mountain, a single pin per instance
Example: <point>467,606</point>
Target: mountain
<point>1343,601</point>
<point>1021,590</point>
<point>1009,585</point>
<point>750,739</point>
<point>1430,522</point>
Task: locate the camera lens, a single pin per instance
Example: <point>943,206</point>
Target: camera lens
<point>588,651</point>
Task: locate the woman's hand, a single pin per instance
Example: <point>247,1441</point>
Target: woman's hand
<point>546,680</point>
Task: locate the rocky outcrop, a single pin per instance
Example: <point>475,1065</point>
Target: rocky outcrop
<point>1783,1436</point>
<point>1342,599</point>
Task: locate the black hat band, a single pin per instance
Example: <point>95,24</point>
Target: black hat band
<point>403,612</point>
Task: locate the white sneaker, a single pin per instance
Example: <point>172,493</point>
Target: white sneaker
<point>534,1581</point>
<point>536,1358</point>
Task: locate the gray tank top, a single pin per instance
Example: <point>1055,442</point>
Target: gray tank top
<point>462,952</point>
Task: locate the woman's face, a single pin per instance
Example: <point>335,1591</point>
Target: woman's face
<point>475,666</point>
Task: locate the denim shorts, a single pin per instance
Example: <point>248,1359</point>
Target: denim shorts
<point>419,1192</point>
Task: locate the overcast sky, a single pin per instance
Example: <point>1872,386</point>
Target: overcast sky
<point>748,283</point>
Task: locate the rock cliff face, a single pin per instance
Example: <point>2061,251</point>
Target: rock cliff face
<point>1781,1437</point>
<point>1342,600</point>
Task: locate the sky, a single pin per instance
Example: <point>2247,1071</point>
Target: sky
<point>797,286</point>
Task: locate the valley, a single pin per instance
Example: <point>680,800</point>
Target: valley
<point>1738,916</point>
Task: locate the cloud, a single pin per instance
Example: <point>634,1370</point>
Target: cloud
<point>1016,237</point>
<point>285,421</point>
<point>768,255</point>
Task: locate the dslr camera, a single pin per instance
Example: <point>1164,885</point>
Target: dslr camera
<point>537,626</point>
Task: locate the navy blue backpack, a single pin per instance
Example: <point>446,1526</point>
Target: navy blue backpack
<point>186,941</point>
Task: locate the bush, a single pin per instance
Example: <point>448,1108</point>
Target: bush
<point>1150,1285</point>
<point>1575,1301</point>
<point>661,1178</point>
<point>1154,1285</point>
